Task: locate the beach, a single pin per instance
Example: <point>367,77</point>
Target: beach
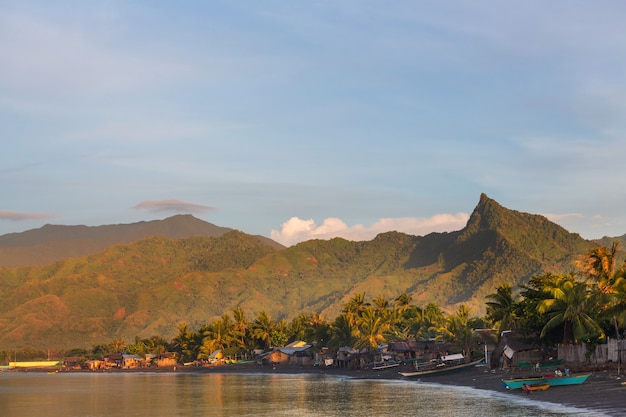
<point>602,392</point>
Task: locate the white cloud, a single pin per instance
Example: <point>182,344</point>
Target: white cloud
<point>297,230</point>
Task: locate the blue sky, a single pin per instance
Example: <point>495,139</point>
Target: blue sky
<point>301,120</point>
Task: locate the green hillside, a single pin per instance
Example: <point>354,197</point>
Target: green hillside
<point>52,243</point>
<point>147,287</point>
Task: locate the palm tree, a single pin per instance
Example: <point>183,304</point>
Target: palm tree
<point>280,333</point>
<point>569,305</point>
<point>216,336</point>
<point>599,265</point>
<point>318,329</point>
<point>299,326</point>
<point>431,319</point>
<point>184,342</point>
<point>240,325</point>
<point>118,345</point>
<point>262,329</point>
<point>459,328</point>
<point>356,305</point>
<point>381,303</point>
<point>402,302</point>
<point>501,308</point>
<point>343,331</point>
<point>371,329</point>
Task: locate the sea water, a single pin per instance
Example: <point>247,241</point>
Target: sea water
<point>212,394</point>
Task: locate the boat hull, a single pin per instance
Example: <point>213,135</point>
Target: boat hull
<point>441,370</point>
<point>517,383</point>
<point>568,380</point>
<point>557,381</point>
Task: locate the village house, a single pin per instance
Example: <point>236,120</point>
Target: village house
<point>515,350</point>
<point>295,353</point>
<point>165,360</point>
<point>419,350</point>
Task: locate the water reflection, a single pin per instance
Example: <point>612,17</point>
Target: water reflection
<point>225,395</point>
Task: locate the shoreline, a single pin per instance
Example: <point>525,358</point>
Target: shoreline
<point>602,392</point>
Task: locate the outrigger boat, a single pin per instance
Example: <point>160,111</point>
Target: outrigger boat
<point>446,364</point>
<point>553,381</point>
<point>556,381</point>
<point>517,383</point>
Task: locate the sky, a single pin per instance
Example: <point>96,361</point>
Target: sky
<point>318,119</point>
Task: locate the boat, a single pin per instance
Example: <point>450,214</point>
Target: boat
<point>386,365</point>
<point>432,368</point>
<point>517,383</point>
<point>553,381</point>
<point>556,381</point>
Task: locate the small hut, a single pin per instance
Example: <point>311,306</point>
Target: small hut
<point>514,350</point>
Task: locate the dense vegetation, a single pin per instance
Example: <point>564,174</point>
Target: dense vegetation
<point>146,287</point>
<point>584,306</point>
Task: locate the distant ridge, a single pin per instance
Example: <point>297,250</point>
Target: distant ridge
<point>148,286</point>
<point>51,243</point>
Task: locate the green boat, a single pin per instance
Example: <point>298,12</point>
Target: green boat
<point>517,383</point>
<point>557,381</point>
<point>553,381</point>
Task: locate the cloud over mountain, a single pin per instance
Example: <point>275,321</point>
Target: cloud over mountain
<point>175,206</point>
<point>297,230</point>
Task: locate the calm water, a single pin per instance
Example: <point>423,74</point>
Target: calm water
<point>179,394</point>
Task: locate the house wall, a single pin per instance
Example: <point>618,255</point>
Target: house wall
<point>612,351</point>
<point>166,362</point>
<point>300,360</point>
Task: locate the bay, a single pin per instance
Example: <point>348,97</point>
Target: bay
<point>212,394</point>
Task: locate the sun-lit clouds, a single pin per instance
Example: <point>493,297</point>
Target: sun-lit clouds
<point>175,206</point>
<point>297,230</point>
<point>17,216</point>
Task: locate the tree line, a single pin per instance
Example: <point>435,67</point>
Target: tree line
<point>583,306</point>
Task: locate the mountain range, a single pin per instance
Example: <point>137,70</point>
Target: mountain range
<point>52,243</point>
<point>75,286</point>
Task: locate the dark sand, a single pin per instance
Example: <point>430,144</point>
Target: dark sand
<point>602,392</point>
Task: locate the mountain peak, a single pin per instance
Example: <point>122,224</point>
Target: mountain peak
<point>488,214</point>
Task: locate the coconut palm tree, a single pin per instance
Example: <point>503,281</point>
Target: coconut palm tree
<point>501,308</point>
<point>184,342</point>
<point>262,329</point>
<point>458,328</point>
<point>599,265</point>
<point>402,302</point>
<point>318,329</point>
<point>343,331</point>
<point>299,326</point>
<point>569,304</point>
<point>356,304</point>
<point>430,320</point>
<point>217,335</point>
<point>240,325</point>
<point>371,329</point>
